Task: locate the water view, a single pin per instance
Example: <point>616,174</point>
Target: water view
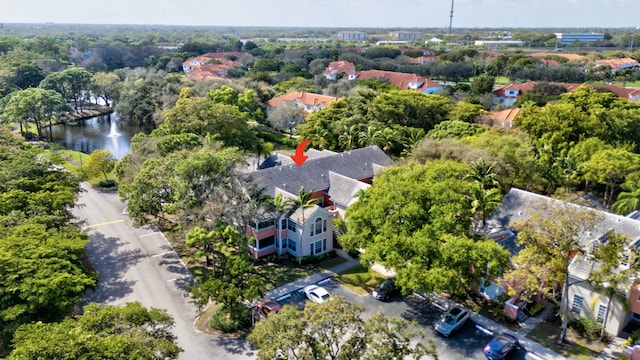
<point>105,132</point>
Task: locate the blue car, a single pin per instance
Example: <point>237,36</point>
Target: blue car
<point>501,347</point>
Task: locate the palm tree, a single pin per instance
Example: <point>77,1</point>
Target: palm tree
<point>281,205</point>
<point>386,139</point>
<point>483,173</point>
<point>483,203</point>
<point>303,200</point>
<point>627,202</point>
<point>262,148</point>
<point>368,137</point>
<point>349,138</point>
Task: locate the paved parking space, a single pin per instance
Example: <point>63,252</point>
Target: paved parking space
<point>466,343</point>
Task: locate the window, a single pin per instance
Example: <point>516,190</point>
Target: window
<point>324,225</point>
<point>270,241</point>
<point>602,311</point>
<point>283,225</point>
<point>577,304</point>
<point>318,247</point>
<point>318,226</point>
<point>312,228</point>
<point>292,245</point>
<point>291,225</point>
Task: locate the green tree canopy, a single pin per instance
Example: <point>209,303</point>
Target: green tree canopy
<point>335,330</point>
<point>110,332</point>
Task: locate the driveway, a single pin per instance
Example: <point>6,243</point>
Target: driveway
<point>138,264</point>
<point>467,343</point>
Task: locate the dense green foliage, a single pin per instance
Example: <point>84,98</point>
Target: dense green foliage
<point>42,275</point>
<point>110,332</point>
<point>335,330</point>
<point>415,220</point>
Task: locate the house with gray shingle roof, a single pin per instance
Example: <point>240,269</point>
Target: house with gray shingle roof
<point>333,178</point>
<point>519,205</point>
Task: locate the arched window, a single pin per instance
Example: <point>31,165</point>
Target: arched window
<point>318,225</point>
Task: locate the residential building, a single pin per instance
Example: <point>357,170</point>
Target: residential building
<point>570,38</point>
<point>508,94</point>
<point>405,35</point>
<point>505,118</point>
<point>211,66</point>
<point>423,59</point>
<point>403,80</point>
<point>618,64</point>
<point>308,101</point>
<point>333,178</point>
<point>352,35</point>
<point>340,69</point>
<point>519,205</point>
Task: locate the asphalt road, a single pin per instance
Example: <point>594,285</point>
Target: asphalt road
<point>138,264</point>
<point>466,343</point>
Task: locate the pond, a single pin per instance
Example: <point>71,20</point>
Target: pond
<point>104,132</point>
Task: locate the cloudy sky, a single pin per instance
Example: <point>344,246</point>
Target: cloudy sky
<point>329,13</point>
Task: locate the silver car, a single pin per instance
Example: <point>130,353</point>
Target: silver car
<point>452,320</point>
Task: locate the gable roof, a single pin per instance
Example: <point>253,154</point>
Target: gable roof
<point>342,66</point>
<point>343,190</point>
<point>521,89</point>
<point>313,175</point>
<point>398,79</point>
<point>520,205</point>
<point>306,98</point>
<point>618,64</point>
<point>308,214</point>
<point>504,118</point>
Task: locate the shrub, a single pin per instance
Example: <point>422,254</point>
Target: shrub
<point>589,328</point>
<point>226,323</point>
<point>537,308</point>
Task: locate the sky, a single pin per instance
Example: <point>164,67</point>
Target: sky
<point>330,13</point>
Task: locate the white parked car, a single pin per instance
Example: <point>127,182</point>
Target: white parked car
<point>316,293</point>
<point>452,320</point>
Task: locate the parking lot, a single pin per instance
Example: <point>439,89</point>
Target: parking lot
<point>466,343</point>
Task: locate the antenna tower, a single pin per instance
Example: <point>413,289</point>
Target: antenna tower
<point>450,20</point>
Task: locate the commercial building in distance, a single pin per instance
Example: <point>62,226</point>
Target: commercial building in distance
<point>352,35</point>
<point>405,35</point>
<point>497,43</point>
<point>568,39</point>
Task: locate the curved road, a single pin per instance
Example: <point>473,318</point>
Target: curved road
<point>139,264</point>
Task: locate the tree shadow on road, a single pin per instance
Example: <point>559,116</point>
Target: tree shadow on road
<point>234,345</point>
<point>111,263</point>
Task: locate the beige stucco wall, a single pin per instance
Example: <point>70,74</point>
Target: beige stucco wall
<point>617,318</point>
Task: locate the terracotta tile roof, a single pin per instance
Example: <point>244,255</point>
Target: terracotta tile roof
<point>622,92</point>
<point>305,98</point>
<point>398,79</point>
<point>566,56</point>
<point>504,118</point>
<point>549,62</point>
<point>337,67</point>
<point>423,59</point>
<point>618,64</point>
<point>521,89</point>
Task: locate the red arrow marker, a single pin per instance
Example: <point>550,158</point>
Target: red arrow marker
<point>299,158</point>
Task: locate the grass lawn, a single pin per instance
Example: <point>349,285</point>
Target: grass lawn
<point>575,347</point>
<point>360,279</point>
<point>275,275</point>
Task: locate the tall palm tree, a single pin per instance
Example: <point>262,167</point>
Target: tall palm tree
<point>262,148</point>
<point>303,200</point>
<point>483,173</point>
<point>483,203</point>
<point>626,202</point>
